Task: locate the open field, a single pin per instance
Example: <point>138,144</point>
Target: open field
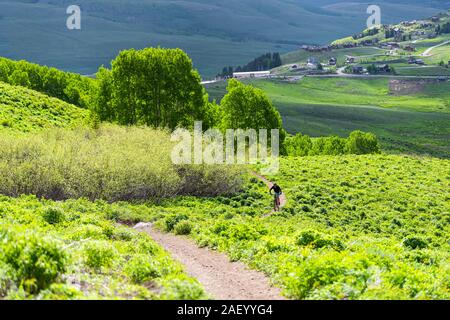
<point>326,106</point>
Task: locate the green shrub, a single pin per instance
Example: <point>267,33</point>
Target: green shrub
<point>111,163</point>
<point>415,243</point>
<point>53,215</point>
<point>36,261</point>
<point>298,145</point>
<point>173,219</point>
<point>141,268</point>
<point>357,143</point>
<point>182,289</point>
<point>183,228</point>
<point>318,240</point>
<point>99,254</point>
<point>362,143</point>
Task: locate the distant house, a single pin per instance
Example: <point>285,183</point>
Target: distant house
<point>412,60</point>
<point>312,62</point>
<point>357,69</point>
<point>252,74</point>
<point>383,68</point>
<point>409,48</point>
<point>420,61</point>
<point>332,62</point>
<point>350,59</point>
<point>393,44</point>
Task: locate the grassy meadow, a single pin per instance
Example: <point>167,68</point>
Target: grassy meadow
<point>336,106</point>
<point>24,110</point>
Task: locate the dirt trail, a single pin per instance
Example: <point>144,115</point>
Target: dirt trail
<point>222,279</point>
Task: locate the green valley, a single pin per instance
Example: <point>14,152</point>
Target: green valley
<point>325,178</point>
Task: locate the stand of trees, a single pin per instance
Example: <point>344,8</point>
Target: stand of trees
<point>155,87</point>
<point>246,107</point>
<point>159,88</point>
<point>69,87</point>
<point>265,62</point>
<point>357,143</point>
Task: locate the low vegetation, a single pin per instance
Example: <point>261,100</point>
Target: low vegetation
<point>24,110</point>
<point>355,227</point>
<point>82,255</point>
<point>110,163</point>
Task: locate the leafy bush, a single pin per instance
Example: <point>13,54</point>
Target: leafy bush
<point>415,243</point>
<point>318,240</point>
<point>362,143</point>
<point>172,220</point>
<point>182,289</point>
<point>141,268</point>
<point>53,215</point>
<point>69,87</point>
<point>110,163</point>
<point>99,254</point>
<point>183,228</point>
<point>36,261</point>
<point>357,143</point>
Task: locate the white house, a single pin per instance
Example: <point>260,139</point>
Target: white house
<point>253,74</point>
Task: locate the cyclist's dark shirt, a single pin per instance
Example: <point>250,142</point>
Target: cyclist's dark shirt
<point>276,188</point>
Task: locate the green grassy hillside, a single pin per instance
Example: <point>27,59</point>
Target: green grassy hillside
<point>26,110</point>
<point>355,227</point>
<point>415,123</point>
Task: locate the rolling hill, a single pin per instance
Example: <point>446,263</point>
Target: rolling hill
<point>214,33</point>
<point>25,110</point>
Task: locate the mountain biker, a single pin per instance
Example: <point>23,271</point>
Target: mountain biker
<point>277,190</point>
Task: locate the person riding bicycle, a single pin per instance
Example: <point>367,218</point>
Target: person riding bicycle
<point>277,190</point>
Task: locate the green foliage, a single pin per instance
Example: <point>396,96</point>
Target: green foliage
<point>299,145</point>
<point>142,268</point>
<point>24,110</point>
<point>415,243</point>
<point>86,257</point>
<point>69,87</point>
<point>357,143</point>
<point>362,143</point>
<point>156,87</point>
<point>183,228</point>
<point>318,240</point>
<point>53,215</point>
<point>172,220</point>
<point>35,261</point>
<point>245,107</point>
<point>99,254</point>
<point>110,163</point>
